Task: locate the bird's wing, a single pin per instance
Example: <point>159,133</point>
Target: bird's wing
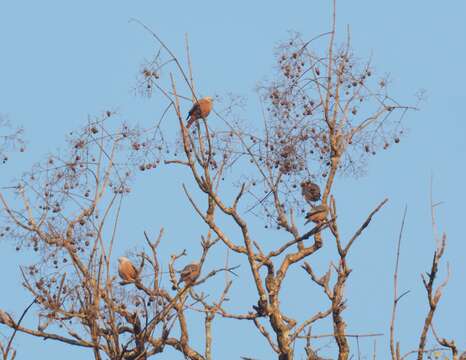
<point>194,112</point>
<point>188,269</point>
<point>133,269</point>
<point>318,209</point>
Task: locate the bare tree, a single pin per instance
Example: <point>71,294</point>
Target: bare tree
<point>433,296</point>
<point>325,114</point>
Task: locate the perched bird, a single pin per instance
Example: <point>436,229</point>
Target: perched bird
<point>317,214</point>
<point>201,109</point>
<point>189,274</point>
<point>126,270</point>
<point>310,191</point>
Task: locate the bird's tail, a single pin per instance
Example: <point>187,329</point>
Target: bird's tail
<point>190,122</point>
<point>308,219</point>
<point>177,285</point>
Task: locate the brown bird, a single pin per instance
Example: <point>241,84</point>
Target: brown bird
<point>317,214</point>
<point>310,191</point>
<point>126,270</point>
<point>189,274</point>
<point>201,109</point>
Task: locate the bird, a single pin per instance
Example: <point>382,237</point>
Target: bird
<point>189,274</point>
<point>310,191</point>
<point>201,109</point>
<point>318,214</point>
<point>126,270</point>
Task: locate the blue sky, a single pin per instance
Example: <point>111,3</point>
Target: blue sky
<point>61,62</point>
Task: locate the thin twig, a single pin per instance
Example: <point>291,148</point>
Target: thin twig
<point>395,289</point>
